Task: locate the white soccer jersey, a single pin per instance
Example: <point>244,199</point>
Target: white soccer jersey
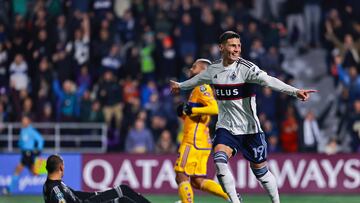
<point>234,90</point>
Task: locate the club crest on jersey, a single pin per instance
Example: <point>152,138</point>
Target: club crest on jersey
<point>202,88</point>
<point>233,76</point>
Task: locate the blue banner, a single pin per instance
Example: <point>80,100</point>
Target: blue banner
<point>30,184</point>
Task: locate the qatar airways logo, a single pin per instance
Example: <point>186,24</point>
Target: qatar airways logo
<point>233,91</point>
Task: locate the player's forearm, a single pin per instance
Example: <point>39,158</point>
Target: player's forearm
<point>208,110</point>
<point>83,195</point>
<point>277,85</point>
<point>189,84</point>
<point>199,79</point>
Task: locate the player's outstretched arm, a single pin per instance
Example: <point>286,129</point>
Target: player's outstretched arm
<point>199,79</point>
<point>304,95</point>
<point>174,87</point>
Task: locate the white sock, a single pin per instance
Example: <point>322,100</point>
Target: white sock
<point>268,182</point>
<point>226,180</point>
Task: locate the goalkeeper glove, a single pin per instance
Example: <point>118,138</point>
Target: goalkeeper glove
<point>179,110</point>
<point>187,109</point>
<point>184,108</point>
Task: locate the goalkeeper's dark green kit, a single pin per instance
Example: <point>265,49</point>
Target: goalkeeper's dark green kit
<point>55,191</point>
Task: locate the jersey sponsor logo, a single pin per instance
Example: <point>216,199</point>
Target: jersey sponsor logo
<point>233,91</point>
<point>215,77</point>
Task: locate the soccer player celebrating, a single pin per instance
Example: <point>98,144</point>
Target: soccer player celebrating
<point>195,148</point>
<point>31,144</point>
<point>55,191</point>
<point>238,128</point>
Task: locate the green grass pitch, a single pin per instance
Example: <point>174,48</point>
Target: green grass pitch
<point>212,199</point>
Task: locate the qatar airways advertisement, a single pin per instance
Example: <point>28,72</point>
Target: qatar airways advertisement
<point>295,173</point>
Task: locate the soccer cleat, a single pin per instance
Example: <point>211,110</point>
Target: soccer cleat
<point>179,201</point>
<point>240,198</point>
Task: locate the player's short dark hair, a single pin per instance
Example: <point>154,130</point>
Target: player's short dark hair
<point>228,35</point>
<point>53,163</point>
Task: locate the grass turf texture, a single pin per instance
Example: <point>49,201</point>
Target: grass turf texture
<point>212,199</point>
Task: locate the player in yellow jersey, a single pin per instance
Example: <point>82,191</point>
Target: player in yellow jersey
<point>195,148</point>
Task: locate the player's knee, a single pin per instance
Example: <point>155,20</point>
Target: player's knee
<point>260,172</point>
<point>180,177</point>
<point>196,182</point>
<point>125,189</point>
<point>224,148</point>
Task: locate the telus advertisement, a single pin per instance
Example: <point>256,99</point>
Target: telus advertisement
<point>295,173</point>
<point>30,184</point>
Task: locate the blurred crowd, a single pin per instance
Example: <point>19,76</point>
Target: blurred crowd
<point>110,61</point>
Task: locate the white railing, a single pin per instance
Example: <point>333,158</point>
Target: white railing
<point>59,137</point>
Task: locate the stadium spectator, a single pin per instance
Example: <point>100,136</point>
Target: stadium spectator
<point>295,21</point>
<point>165,145</point>
<point>126,27</point>
<point>312,16</point>
<point>112,61</point>
<point>3,114</point>
<point>139,140</point>
<point>80,46</point>
<point>354,127</point>
<point>186,36</point>
<point>4,57</point>
<point>41,46</point>
<point>351,80</point>
<point>147,91</point>
<point>46,115</point>
<point>167,60</point>
<point>267,103</point>
<point>272,136</point>
<point>67,100</point>
<point>132,66</point>
<point>41,85</point>
<point>348,48</point>
<point>27,108</point>
<point>60,31</point>
<point>85,106</point>
<point>110,97</point>
<point>84,78</point>
<point>19,79</point>
<point>146,52</point>
<point>289,138</point>
<point>311,134</point>
<point>130,90</point>
<point>157,125</point>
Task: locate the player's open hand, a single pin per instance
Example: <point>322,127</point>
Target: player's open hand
<point>304,95</point>
<point>175,87</point>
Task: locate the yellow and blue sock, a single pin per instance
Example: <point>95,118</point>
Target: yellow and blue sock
<point>185,192</point>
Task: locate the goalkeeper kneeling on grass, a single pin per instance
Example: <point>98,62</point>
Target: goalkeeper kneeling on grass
<point>55,191</point>
<point>31,144</point>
